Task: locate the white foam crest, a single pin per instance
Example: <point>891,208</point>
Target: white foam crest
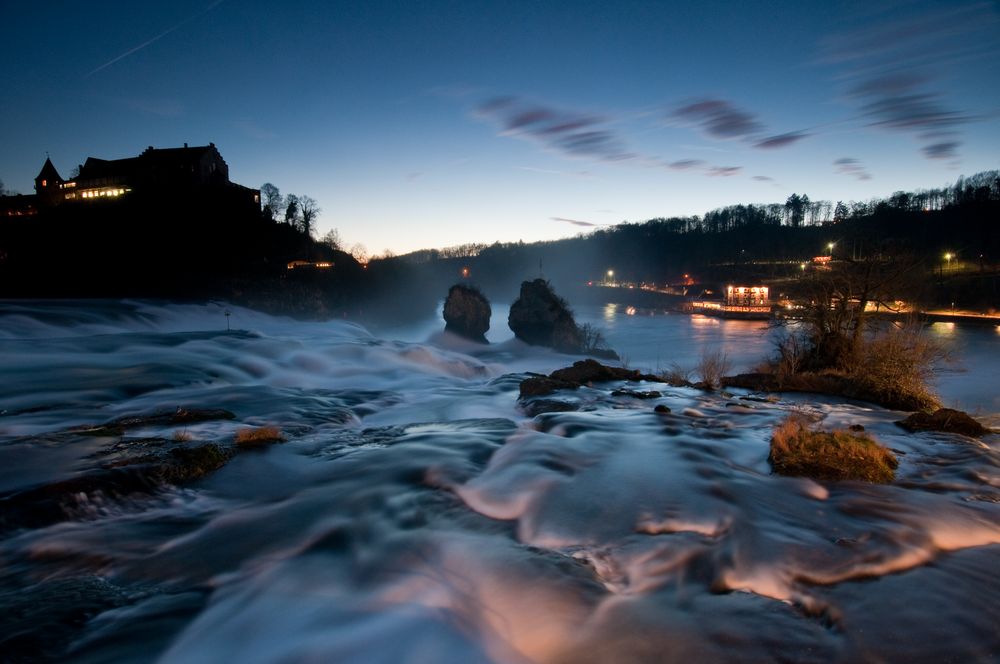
<point>516,478</point>
<point>652,526</point>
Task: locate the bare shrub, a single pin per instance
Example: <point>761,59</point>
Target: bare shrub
<point>591,338</point>
<point>259,436</point>
<point>675,374</point>
<point>714,364</point>
<point>895,365</point>
<point>182,436</point>
<point>792,350</point>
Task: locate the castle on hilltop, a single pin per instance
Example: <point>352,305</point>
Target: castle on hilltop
<point>156,174</point>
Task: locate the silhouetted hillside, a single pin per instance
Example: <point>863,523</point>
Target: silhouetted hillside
<point>205,247</point>
<point>140,247</point>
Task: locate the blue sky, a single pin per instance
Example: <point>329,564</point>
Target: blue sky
<point>423,124</point>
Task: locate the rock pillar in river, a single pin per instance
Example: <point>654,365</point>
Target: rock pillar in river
<point>467,313</point>
<point>542,318</point>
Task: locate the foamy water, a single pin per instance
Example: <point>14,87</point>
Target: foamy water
<point>416,514</point>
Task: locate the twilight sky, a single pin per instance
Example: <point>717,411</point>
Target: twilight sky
<point>429,124</point>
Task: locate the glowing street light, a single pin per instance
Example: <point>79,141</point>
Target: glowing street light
<point>829,246</point>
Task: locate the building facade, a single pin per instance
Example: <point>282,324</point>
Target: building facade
<point>157,173</point>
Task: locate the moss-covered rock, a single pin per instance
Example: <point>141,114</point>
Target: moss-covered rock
<point>258,437</point>
<point>797,450</point>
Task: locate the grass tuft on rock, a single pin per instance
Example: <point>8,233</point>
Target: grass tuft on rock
<point>259,436</point>
<point>799,451</point>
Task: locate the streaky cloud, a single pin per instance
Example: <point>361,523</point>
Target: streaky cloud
<point>685,164</point>
<point>781,140</point>
<point>724,171</point>
<point>942,150</point>
<point>575,222</point>
<point>570,133</point>
<point>889,64</point>
<point>888,43</point>
<point>853,167</point>
<point>718,118</point>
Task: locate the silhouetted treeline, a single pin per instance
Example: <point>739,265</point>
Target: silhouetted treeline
<point>737,241</point>
<point>206,246</point>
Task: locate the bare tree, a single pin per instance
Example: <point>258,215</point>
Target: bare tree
<point>360,253</point>
<point>308,211</point>
<point>843,298</point>
<point>273,202</point>
<point>332,239</point>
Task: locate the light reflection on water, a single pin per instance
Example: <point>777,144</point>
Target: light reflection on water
<point>943,329</point>
<point>654,340</point>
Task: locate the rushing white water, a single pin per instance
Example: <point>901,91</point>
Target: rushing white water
<point>416,514</point>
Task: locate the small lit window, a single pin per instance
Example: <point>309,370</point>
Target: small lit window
<point>45,183</point>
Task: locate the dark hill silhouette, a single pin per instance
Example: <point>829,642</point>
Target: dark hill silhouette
<point>204,244</point>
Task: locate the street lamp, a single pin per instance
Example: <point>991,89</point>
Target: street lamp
<point>948,256</point>
<point>829,247</point>
<point>611,276</point>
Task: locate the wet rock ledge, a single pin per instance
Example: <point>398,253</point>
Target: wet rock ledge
<point>125,466</point>
<point>946,420</point>
<point>581,373</point>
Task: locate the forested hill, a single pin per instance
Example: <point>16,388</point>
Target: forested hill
<point>960,220</point>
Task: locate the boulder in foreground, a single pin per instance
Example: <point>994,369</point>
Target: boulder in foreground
<point>947,420</point>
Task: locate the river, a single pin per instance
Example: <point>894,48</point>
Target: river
<point>414,513</point>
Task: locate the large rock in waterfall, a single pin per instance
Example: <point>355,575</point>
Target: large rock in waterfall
<point>542,318</point>
<point>467,313</point>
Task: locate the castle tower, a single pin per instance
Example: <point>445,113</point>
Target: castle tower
<point>47,184</point>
